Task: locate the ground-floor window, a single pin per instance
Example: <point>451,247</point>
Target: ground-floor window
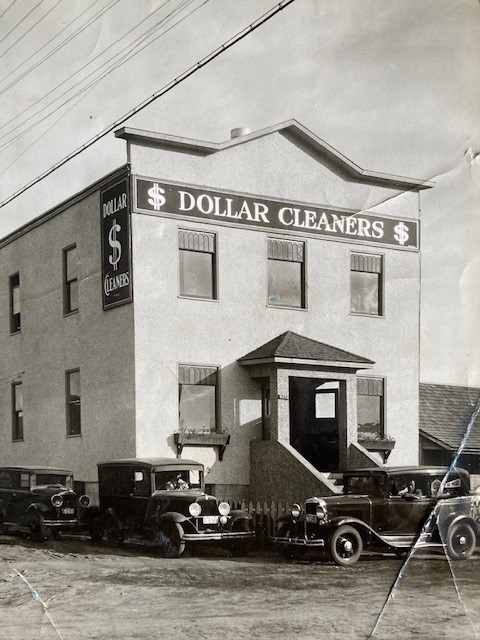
<point>17,413</point>
<point>370,408</point>
<point>197,398</point>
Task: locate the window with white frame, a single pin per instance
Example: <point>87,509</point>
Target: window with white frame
<point>286,273</point>
<point>370,408</point>
<point>366,284</point>
<point>197,253</point>
<point>197,387</point>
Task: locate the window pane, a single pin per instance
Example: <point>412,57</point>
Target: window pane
<point>71,264</point>
<point>196,274</point>
<point>369,416</point>
<point>74,419</point>
<point>74,385</point>
<point>197,408</point>
<point>285,283</point>
<point>365,294</point>
<point>16,300</point>
<point>72,296</point>
<point>18,397</point>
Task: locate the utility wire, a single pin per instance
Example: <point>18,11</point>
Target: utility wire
<point>95,81</point>
<point>93,19</point>
<point>92,84</point>
<point>19,23</point>
<point>147,33</point>
<point>32,27</point>
<point>186,74</point>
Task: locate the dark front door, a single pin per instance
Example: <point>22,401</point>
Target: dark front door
<point>314,421</point>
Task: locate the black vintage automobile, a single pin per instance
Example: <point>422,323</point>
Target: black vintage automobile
<point>161,501</point>
<point>386,508</point>
<point>39,501</point>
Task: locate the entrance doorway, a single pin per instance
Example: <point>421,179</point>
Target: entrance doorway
<point>314,429</point>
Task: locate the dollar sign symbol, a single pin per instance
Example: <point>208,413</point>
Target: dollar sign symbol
<point>115,244</point>
<point>401,233</point>
<point>156,198</point>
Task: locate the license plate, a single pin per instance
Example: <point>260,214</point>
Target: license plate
<point>210,519</point>
<point>68,511</point>
<point>311,517</point>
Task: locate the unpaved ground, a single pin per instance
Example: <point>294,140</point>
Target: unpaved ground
<point>75,591</point>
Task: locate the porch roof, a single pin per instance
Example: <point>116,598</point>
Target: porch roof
<point>446,411</point>
<point>292,348</point>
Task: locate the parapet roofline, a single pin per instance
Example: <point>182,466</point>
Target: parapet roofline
<point>290,128</point>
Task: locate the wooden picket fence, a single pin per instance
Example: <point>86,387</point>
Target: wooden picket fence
<point>264,517</point>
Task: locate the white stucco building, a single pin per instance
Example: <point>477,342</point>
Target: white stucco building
<point>252,304</point>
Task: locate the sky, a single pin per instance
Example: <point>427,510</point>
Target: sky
<point>392,84</point>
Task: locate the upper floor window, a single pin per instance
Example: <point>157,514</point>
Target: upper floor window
<point>15,303</point>
<point>17,411</point>
<point>198,398</point>
<point>197,253</point>
<point>286,273</point>
<point>366,284</point>
<point>74,425</point>
<point>370,408</point>
<point>70,280</point>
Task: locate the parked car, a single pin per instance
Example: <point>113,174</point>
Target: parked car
<point>162,501</point>
<point>386,508</point>
<point>39,501</point>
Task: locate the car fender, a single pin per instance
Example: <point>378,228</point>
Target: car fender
<point>363,528</point>
<point>237,514</point>
<point>38,507</point>
<point>172,516</point>
<point>443,526</point>
<point>89,514</point>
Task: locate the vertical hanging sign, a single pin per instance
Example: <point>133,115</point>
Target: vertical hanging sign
<point>116,251</point>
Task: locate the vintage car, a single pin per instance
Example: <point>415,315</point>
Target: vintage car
<point>39,501</point>
<point>386,508</point>
<point>161,501</point>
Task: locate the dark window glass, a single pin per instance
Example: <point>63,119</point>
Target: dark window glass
<point>197,264</point>
<point>17,398</point>
<point>15,324</point>
<point>73,403</point>
<point>70,283</point>
<point>198,399</point>
<point>366,284</point>
<point>370,408</point>
<point>286,273</point>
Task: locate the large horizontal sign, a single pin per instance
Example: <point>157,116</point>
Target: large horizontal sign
<point>207,204</point>
<point>116,258</point>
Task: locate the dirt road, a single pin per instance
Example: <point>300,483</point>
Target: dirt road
<point>75,591</point>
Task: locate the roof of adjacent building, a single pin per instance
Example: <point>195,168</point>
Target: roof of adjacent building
<point>291,346</point>
<point>291,129</point>
<point>447,412</point>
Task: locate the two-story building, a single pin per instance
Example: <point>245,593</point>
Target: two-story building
<point>253,304</point>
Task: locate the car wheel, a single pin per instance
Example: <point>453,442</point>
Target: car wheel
<point>345,546</point>
<point>290,552</point>
<point>461,541</point>
<point>240,548</point>
<point>169,536</point>
<point>96,530</point>
<point>38,532</point>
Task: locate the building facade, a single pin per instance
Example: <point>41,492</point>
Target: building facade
<point>252,304</point>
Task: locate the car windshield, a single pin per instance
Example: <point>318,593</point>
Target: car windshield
<point>53,478</point>
<point>362,485</point>
<point>178,479</point>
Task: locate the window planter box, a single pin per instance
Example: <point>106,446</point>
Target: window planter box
<point>191,439</point>
<point>378,444</point>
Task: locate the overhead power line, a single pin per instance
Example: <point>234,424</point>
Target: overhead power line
<point>20,22</point>
<point>32,27</point>
<point>168,87</point>
<point>9,7</point>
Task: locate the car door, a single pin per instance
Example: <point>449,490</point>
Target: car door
<point>407,511</point>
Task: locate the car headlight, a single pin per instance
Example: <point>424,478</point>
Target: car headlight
<point>195,509</point>
<point>224,508</point>
<point>296,510</point>
<point>321,512</point>
<point>84,501</point>
<point>57,500</point>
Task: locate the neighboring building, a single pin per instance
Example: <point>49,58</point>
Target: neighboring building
<point>450,426</point>
<point>252,304</point>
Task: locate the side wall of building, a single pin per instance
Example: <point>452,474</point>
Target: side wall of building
<point>98,343</point>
